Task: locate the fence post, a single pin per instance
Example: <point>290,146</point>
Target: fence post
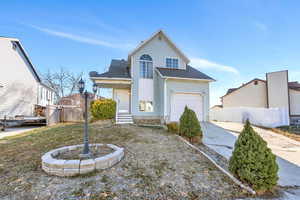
<point>47,115</point>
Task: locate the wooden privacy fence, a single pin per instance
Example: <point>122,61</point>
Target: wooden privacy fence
<point>63,113</point>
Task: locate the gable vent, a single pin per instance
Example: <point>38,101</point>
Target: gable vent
<point>14,45</point>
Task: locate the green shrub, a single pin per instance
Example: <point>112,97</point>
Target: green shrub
<point>103,109</point>
<point>253,162</point>
<point>189,124</point>
<point>173,127</point>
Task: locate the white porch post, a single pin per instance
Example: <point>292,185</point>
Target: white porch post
<point>165,98</point>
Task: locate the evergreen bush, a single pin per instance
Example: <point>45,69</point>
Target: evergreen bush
<point>103,109</point>
<point>189,124</point>
<point>253,162</point>
<point>173,127</point>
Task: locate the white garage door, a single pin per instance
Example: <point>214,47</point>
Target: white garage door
<point>180,100</point>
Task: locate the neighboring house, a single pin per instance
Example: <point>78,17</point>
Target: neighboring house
<point>22,90</point>
<point>156,82</point>
<point>274,92</point>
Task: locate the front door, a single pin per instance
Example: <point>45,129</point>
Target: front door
<point>122,97</point>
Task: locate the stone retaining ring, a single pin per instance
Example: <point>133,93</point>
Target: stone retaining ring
<point>57,167</point>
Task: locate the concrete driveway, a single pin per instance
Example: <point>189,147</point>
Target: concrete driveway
<point>222,141</point>
<point>15,131</point>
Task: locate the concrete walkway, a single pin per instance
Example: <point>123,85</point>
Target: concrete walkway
<point>282,146</point>
<point>222,141</point>
<point>16,131</point>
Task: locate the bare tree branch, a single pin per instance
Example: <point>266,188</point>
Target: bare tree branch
<point>63,81</point>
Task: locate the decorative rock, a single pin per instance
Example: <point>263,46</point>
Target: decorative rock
<point>74,167</point>
<point>57,172</point>
<point>55,164</point>
<point>87,166</point>
<point>71,172</point>
<point>102,163</point>
<point>71,164</point>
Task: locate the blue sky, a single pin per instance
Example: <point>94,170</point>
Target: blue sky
<point>233,41</point>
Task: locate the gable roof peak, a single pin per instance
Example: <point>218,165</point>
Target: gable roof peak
<point>160,31</point>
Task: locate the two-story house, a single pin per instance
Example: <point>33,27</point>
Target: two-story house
<point>155,83</point>
<point>21,88</point>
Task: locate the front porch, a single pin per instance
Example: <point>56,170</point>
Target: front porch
<point>121,94</point>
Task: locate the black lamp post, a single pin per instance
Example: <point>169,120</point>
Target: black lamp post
<point>86,150</point>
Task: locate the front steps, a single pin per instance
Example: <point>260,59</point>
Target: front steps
<point>124,118</point>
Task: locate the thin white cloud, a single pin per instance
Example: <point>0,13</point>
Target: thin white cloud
<point>84,39</point>
<point>206,64</point>
<point>294,75</point>
<point>261,26</point>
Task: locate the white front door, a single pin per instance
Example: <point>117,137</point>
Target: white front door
<point>122,97</point>
<point>192,101</point>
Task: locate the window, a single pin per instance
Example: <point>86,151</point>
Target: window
<point>255,82</point>
<point>146,66</point>
<point>146,106</point>
<point>172,63</point>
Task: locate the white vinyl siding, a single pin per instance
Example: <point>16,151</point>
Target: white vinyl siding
<point>159,49</point>
<point>295,102</point>
<point>19,93</point>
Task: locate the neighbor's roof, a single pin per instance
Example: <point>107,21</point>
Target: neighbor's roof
<point>230,90</point>
<point>28,60</point>
<point>143,43</point>
<point>217,106</point>
<point>294,85</point>
<point>189,73</point>
<point>117,69</point>
<point>17,42</point>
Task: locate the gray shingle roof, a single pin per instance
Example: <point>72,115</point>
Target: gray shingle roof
<point>190,72</point>
<point>117,69</point>
<point>294,85</point>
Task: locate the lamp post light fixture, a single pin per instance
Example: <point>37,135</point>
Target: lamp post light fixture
<point>86,150</point>
<point>95,88</point>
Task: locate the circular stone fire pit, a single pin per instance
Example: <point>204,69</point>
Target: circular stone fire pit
<point>51,163</point>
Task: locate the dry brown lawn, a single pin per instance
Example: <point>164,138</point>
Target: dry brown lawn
<point>157,165</point>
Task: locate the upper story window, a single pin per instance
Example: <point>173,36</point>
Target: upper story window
<point>172,63</point>
<point>146,66</point>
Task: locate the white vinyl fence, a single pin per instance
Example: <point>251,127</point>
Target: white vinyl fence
<point>267,117</point>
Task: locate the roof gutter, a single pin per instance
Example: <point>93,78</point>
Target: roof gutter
<point>110,78</point>
<point>28,60</point>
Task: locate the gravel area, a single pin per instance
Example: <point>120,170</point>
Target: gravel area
<point>157,165</point>
<point>219,159</point>
<point>95,151</point>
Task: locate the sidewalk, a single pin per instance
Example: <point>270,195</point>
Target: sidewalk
<point>222,141</point>
<point>15,131</point>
